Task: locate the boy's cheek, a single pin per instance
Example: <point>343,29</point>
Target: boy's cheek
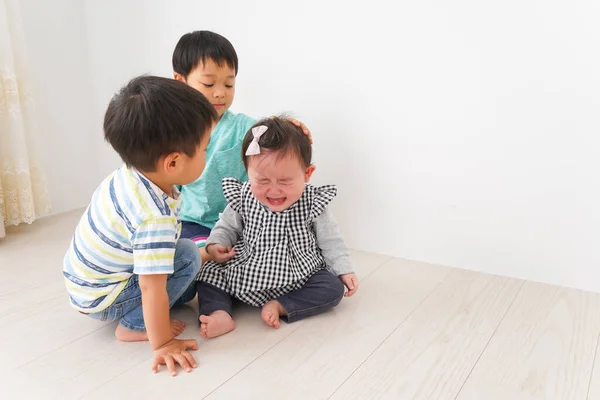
<point>199,87</point>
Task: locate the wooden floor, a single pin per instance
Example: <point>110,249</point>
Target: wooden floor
<point>413,331</point>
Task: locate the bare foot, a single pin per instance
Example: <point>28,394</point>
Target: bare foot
<point>271,312</point>
<point>125,335</point>
<point>216,324</point>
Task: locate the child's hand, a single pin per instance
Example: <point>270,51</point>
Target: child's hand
<point>175,351</point>
<point>204,255</point>
<point>220,253</point>
<point>351,282</point>
<point>300,125</point>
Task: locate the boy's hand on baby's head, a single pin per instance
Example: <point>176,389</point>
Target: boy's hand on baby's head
<point>175,352</point>
<point>351,282</point>
<point>220,253</point>
<point>300,125</point>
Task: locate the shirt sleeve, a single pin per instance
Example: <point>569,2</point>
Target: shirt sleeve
<point>228,230</point>
<point>331,243</point>
<point>153,245</point>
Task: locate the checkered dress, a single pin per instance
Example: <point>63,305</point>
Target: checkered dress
<point>277,251</point>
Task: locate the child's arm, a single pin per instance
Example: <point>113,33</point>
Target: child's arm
<point>225,235</point>
<point>154,244</point>
<point>155,305</point>
<point>334,250</point>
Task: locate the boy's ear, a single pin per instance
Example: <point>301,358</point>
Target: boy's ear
<point>178,77</point>
<point>171,163</point>
<point>308,173</point>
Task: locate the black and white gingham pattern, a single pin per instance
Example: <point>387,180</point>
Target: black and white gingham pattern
<point>277,252</point>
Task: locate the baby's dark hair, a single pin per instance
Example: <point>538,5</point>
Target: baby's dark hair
<point>200,46</point>
<point>151,117</point>
<point>281,135</point>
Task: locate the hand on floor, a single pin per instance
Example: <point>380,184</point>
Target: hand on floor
<point>351,282</point>
<point>175,352</point>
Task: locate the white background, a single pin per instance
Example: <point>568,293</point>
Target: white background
<point>463,133</point>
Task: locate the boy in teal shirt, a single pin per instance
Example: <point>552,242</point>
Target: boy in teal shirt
<point>208,62</point>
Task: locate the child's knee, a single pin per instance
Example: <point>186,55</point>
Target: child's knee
<point>187,257</point>
<point>336,290</point>
<point>340,292</point>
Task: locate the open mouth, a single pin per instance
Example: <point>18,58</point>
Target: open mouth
<point>276,201</point>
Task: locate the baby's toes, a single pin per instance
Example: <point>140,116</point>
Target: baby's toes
<point>176,330</point>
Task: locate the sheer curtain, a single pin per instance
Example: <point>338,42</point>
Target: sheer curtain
<point>23,190</point>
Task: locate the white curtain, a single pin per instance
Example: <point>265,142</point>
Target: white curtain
<point>23,190</point>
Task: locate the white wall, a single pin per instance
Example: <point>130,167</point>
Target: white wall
<point>56,48</point>
<point>462,133</point>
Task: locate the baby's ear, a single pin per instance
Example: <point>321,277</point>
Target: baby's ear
<point>308,173</point>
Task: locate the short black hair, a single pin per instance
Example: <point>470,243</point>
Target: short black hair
<point>151,117</point>
<point>200,46</point>
<point>281,135</point>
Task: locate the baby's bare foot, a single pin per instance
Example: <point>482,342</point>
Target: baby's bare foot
<point>177,327</point>
<point>216,324</point>
<point>126,335</point>
<point>271,312</point>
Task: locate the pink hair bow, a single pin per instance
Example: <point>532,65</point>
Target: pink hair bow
<point>254,148</point>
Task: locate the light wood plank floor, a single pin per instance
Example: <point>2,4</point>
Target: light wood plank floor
<point>413,331</point>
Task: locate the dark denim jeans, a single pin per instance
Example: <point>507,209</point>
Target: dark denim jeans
<point>321,292</point>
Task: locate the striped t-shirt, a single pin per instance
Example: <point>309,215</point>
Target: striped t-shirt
<point>130,227</point>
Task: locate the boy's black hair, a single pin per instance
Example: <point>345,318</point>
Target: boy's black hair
<point>281,135</point>
<point>200,46</point>
<point>151,117</point>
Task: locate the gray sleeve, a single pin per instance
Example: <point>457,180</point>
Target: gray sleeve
<point>228,230</point>
<point>331,243</point>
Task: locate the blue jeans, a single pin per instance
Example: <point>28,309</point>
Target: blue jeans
<point>181,288</point>
<point>320,293</point>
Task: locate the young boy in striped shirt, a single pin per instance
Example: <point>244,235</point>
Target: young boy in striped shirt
<point>126,261</point>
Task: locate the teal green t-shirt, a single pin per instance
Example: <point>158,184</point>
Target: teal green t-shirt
<point>203,199</point>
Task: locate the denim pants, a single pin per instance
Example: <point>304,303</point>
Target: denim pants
<point>181,288</point>
<point>321,292</point>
